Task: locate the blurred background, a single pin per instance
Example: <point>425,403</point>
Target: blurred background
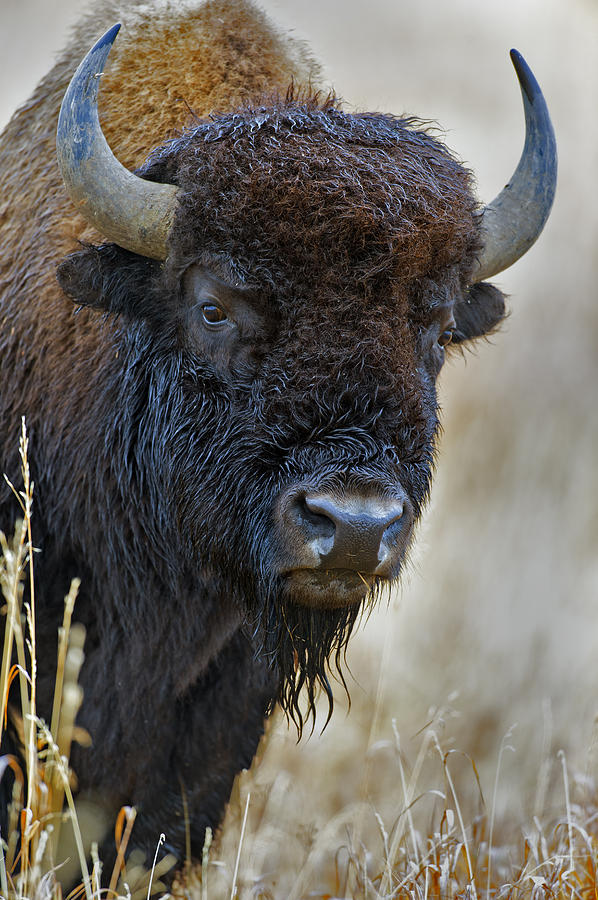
<point>494,623</point>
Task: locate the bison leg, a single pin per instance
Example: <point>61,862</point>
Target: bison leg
<point>216,726</point>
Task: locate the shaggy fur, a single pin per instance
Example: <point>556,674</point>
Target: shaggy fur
<point>158,460</point>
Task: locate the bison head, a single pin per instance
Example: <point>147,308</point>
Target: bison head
<point>291,295</point>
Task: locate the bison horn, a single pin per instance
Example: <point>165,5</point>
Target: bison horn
<point>134,213</point>
<point>515,218</point>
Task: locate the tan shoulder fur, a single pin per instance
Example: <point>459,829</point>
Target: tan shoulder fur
<point>173,57</point>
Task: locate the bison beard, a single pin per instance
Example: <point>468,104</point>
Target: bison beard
<point>301,643</point>
<point>227,436</point>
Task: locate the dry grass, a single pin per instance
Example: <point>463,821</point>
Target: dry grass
<point>408,831</point>
<point>434,843</point>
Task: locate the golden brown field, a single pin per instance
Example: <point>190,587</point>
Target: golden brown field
<point>488,650</point>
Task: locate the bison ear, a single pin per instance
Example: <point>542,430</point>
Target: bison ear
<point>479,311</point>
<point>109,278</point>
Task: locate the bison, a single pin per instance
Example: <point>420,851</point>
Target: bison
<point>230,387</point>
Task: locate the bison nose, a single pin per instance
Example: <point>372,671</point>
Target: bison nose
<point>359,533</point>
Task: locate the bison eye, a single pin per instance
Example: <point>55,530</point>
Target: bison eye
<point>212,314</point>
<point>445,338</point>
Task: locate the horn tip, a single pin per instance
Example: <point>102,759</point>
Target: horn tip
<point>109,37</point>
<point>526,77</point>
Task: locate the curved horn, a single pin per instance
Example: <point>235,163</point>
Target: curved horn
<point>134,213</point>
<point>515,218</point>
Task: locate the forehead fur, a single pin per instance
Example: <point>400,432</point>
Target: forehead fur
<point>308,194</point>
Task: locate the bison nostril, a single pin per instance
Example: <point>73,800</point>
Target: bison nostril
<point>309,533</point>
<point>393,523</point>
<point>315,518</point>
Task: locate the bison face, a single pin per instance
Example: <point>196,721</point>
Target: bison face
<point>318,273</point>
<point>275,373</point>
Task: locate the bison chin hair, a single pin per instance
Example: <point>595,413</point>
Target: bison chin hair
<point>306,647</point>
